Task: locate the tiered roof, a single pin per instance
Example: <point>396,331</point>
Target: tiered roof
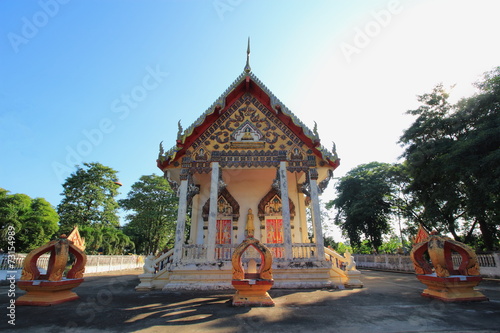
<point>246,82</point>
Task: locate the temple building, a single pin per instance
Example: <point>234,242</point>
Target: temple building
<point>248,165</point>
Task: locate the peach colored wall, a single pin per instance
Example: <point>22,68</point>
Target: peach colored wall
<point>248,187</point>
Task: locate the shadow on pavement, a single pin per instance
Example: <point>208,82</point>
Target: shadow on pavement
<point>389,302</point>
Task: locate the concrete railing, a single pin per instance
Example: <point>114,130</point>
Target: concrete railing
<point>108,263</point>
<point>95,263</point>
<point>489,263</point>
<point>195,253</point>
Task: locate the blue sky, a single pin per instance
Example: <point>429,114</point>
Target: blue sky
<point>106,81</point>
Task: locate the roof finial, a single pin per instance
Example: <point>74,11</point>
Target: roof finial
<point>247,66</point>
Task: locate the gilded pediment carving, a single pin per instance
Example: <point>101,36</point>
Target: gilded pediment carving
<point>248,134</point>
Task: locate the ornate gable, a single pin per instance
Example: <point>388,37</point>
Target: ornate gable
<point>248,127</point>
<point>250,135</point>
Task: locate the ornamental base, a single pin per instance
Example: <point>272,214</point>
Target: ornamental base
<point>45,293</point>
<point>353,280</point>
<point>452,288</point>
<point>252,293</point>
<point>145,284</point>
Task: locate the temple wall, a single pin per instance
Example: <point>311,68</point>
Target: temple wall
<point>248,187</point>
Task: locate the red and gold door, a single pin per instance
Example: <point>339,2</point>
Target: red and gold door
<point>223,237</point>
<point>274,235</point>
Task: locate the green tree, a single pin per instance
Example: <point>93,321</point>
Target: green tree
<point>342,248</point>
<point>105,240</point>
<point>89,198</point>
<point>476,157</point>
<point>407,210</point>
<point>364,247</point>
<point>452,158</point>
<point>432,183</point>
<point>329,241</point>
<point>93,238</point>
<point>393,245</point>
<point>34,220</point>
<point>364,203</point>
<point>153,216</point>
<point>123,243</point>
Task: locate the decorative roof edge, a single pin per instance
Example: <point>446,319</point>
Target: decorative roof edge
<point>220,103</point>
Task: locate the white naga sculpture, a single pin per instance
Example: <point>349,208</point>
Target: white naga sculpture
<point>149,264</point>
<point>351,264</point>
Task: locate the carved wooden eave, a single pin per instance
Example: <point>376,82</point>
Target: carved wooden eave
<point>266,201</point>
<point>229,199</point>
<point>246,83</point>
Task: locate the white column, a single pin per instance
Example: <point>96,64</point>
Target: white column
<point>181,221</point>
<point>301,226</point>
<point>194,220</point>
<point>303,223</point>
<point>212,214</point>
<point>316,214</point>
<point>199,232</point>
<point>285,207</point>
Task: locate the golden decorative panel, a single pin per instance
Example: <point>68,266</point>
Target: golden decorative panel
<point>250,135</point>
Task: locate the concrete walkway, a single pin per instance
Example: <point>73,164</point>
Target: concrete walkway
<point>389,302</point>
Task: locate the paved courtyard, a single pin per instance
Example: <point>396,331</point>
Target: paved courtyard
<point>389,302</point>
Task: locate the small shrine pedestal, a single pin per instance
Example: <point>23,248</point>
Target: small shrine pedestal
<point>251,292</point>
<point>252,287</point>
<point>432,259</point>
<point>52,288</point>
<point>44,293</point>
<point>458,288</point>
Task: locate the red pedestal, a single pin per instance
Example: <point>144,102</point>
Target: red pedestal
<point>458,288</point>
<point>44,292</point>
<point>252,292</point>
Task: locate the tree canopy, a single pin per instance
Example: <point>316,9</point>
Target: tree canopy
<point>106,240</point>
<point>452,154</point>
<point>449,180</point>
<point>89,197</point>
<point>89,202</point>
<point>152,221</point>
<point>34,220</point>
<point>364,203</point>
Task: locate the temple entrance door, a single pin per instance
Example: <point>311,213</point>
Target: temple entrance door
<point>223,237</point>
<point>274,234</point>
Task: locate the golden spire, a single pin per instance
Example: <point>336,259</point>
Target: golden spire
<point>247,66</point>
